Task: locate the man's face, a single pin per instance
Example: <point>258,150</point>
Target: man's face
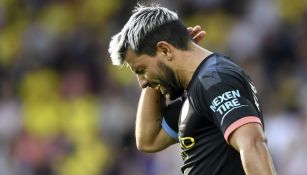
<point>152,72</point>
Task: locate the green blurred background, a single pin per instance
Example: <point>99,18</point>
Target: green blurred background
<point>65,110</point>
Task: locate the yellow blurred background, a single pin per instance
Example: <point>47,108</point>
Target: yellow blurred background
<point>65,110</point>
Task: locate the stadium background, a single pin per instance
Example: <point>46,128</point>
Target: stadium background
<point>64,110</point>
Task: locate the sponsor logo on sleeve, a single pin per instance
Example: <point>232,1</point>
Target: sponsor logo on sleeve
<point>225,103</point>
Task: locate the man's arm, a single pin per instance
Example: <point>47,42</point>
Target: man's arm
<point>250,141</point>
<point>150,137</point>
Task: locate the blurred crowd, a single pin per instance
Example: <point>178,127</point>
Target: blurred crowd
<point>65,110</point>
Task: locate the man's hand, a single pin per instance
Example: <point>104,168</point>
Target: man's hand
<point>196,33</point>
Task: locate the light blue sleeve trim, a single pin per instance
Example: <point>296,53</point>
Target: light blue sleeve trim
<point>169,130</point>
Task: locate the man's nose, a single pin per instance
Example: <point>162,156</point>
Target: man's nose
<point>142,81</point>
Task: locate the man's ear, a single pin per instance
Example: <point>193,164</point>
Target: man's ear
<point>165,49</point>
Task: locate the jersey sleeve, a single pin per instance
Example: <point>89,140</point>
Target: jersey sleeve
<point>232,101</point>
<point>171,117</point>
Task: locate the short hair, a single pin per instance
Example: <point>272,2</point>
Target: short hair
<point>145,28</point>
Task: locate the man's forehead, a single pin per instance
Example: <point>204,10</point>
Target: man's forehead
<point>130,56</point>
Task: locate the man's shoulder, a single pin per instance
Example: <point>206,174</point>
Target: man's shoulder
<point>215,68</point>
<point>217,63</point>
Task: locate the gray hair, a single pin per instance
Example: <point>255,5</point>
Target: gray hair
<point>141,23</point>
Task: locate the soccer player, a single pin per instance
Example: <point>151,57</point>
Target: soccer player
<point>214,112</point>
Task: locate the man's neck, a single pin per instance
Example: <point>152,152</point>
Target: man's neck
<point>188,63</point>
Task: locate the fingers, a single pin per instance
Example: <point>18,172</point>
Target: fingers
<point>190,30</point>
<point>196,33</point>
<point>199,36</point>
<point>196,29</point>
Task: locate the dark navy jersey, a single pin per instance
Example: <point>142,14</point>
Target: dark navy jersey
<point>219,99</point>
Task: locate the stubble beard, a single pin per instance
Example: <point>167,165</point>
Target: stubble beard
<point>170,82</point>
